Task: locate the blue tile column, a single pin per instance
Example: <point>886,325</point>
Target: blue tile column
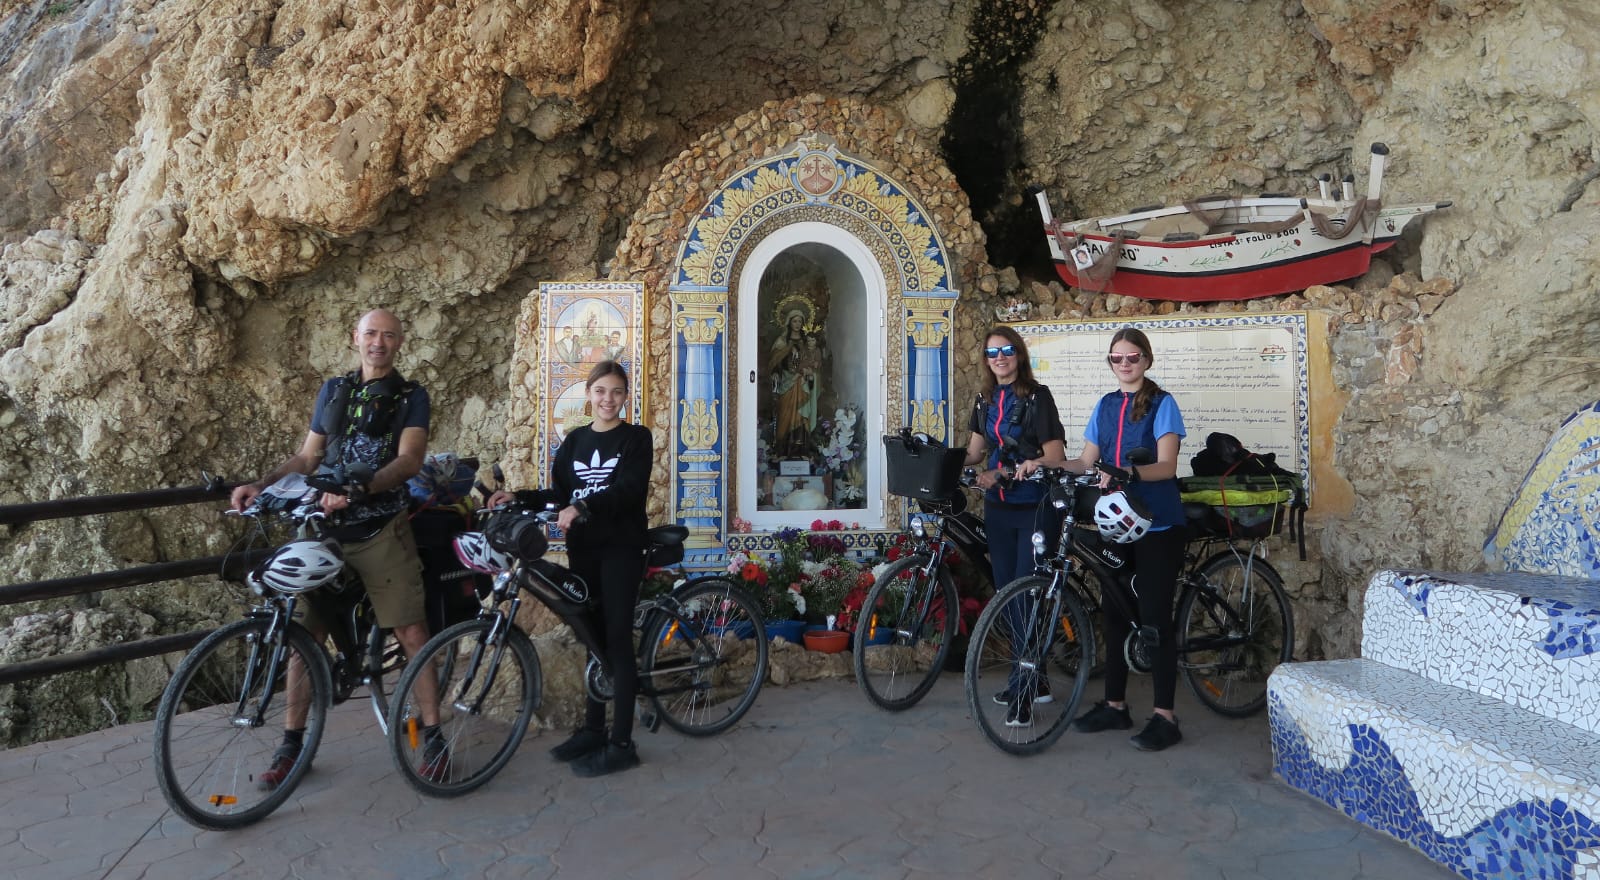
<point>700,438</point>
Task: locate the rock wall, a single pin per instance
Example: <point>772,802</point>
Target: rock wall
<point>201,197</point>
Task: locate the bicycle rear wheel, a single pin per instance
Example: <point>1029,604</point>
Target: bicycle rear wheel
<point>1235,626</point>
<point>903,636</point>
<point>220,721</point>
<point>703,664</point>
<point>1020,707</point>
<point>487,694</point>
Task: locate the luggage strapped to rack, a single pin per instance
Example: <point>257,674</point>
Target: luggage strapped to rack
<point>1247,506</point>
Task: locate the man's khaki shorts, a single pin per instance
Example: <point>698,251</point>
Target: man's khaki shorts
<point>389,568</point>
<point>388,565</point>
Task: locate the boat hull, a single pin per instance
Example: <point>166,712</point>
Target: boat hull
<point>1216,268</point>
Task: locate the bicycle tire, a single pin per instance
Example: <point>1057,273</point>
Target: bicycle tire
<point>489,691</point>
<point>1234,628</point>
<point>921,622</point>
<point>698,667</point>
<point>1015,616</point>
<point>206,765</point>
<point>386,660</point>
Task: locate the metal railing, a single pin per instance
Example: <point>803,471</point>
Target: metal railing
<point>19,514</point>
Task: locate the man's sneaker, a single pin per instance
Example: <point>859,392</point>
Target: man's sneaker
<point>1103,717</point>
<point>435,766</point>
<point>611,759</point>
<point>1003,698</point>
<point>1020,714</point>
<point>584,742</point>
<point>282,762</point>
<point>1157,735</point>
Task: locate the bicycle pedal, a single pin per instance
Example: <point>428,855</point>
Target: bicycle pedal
<point>651,721</point>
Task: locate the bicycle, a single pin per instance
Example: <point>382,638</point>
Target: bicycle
<point>1032,623</point>
<point>1233,626</point>
<point>1235,623</point>
<point>702,656</point>
<point>221,716</point>
<point>909,618</point>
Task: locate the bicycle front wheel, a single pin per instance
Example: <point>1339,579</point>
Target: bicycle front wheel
<point>1235,627</point>
<point>221,720</point>
<point>486,690</point>
<point>1020,707</point>
<point>903,636</point>
<point>703,664</point>
<point>386,659</point>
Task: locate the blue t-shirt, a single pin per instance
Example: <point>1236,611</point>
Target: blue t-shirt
<point>1111,428</point>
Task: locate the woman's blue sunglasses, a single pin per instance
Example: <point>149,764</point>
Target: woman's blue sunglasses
<point>1007,350</point>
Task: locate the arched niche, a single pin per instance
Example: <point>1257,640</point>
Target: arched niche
<point>813,231</point>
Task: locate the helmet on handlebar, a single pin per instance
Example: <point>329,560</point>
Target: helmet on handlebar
<point>300,565</point>
<point>473,549</point>
<point>1121,517</point>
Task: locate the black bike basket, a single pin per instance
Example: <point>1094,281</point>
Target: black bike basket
<point>517,533</point>
<point>923,472</point>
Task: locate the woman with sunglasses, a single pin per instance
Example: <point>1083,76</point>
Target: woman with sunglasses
<point>1140,414</point>
<point>1013,406</point>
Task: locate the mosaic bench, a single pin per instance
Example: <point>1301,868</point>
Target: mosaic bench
<point>1484,788</point>
<point>1529,640</point>
<point>1469,726</point>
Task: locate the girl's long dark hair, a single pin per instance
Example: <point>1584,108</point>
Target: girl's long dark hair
<point>1025,383</point>
<point>1146,395</point>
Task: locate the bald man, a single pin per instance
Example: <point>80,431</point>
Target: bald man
<point>369,420</point>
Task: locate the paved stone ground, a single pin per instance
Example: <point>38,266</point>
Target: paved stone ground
<point>814,782</point>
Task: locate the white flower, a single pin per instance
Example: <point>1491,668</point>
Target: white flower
<point>813,568</point>
<point>799,602</point>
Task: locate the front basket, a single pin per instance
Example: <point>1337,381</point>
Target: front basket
<point>923,472</point>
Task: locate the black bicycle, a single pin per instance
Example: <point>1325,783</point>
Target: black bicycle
<point>1031,651</point>
<point>223,713</point>
<point>909,619</point>
<point>1235,623</point>
<point>702,653</point>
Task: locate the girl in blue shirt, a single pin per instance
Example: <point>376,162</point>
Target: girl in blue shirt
<point>1139,414</point>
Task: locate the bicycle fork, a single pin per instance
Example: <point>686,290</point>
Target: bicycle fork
<point>261,679</point>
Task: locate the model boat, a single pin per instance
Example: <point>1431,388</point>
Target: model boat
<point>1225,247</point>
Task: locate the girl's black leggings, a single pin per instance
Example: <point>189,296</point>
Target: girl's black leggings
<point>1157,559</point>
<point>615,572</point>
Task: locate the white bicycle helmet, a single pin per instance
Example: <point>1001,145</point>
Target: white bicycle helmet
<point>473,549</point>
<point>1121,518</point>
<point>301,565</point>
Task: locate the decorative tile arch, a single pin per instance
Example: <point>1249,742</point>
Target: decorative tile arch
<point>810,181</point>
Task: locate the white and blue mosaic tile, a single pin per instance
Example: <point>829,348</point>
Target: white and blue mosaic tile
<point>1531,641</point>
<point>1483,788</point>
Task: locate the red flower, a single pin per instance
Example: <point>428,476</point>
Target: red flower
<point>835,525</point>
<point>818,525</point>
<point>753,573</point>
